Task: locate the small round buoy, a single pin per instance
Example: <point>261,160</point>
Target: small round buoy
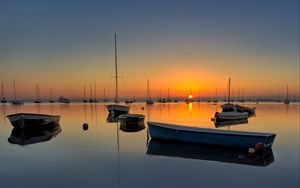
<point>143,108</point>
<point>85,126</point>
<point>251,150</point>
<point>259,146</point>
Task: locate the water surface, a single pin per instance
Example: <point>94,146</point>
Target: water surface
<point>104,156</point>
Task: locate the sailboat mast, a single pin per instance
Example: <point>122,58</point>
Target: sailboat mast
<point>91,91</point>
<point>2,91</point>
<point>95,92</point>
<point>229,91</point>
<point>51,94</point>
<point>148,95</point>
<point>104,94</point>
<point>168,93</point>
<point>287,91</point>
<point>116,70</point>
<point>14,90</point>
<point>84,95</point>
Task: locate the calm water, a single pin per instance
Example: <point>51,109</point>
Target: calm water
<point>104,156</point>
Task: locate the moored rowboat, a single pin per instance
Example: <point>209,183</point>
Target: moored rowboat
<point>22,120</point>
<point>210,136</point>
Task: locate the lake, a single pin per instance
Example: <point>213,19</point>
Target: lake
<point>105,156</point>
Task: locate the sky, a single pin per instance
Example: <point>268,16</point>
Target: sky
<point>180,45</point>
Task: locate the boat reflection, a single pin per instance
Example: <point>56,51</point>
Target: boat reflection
<point>112,119</point>
<point>132,127</point>
<point>32,136</point>
<point>208,152</point>
<point>229,123</point>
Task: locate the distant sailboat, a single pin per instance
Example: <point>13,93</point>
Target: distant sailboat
<point>149,100</point>
<point>37,94</point>
<point>3,99</point>
<point>16,101</point>
<point>95,93</point>
<point>104,96</point>
<point>243,96</point>
<point>114,109</point>
<point>84,94</point>
<point>51,96</point>
<point>216,97</point>
<point>62,99</point>
<point>287,101</point>
<point>169,99</point>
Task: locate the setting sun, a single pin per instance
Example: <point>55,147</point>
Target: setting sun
<point>190,96</point>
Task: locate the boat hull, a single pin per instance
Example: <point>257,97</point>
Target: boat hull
<point>229,116</point>
<point>23,120</point>
<point>209,136</point>
<point>117,110</point>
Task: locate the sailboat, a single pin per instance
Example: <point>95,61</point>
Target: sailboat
<point>16,101</point>
<point>229,107</point>
<point>216,99</point>
<point>287,101</point>
<point>84,94</point>
<point>37,94</point>
<point>115,109</point>
<point>3,99</point>
<point>51,96</point>
<point>104,97</point>
<point>149,100</point>
<point>95,93</point>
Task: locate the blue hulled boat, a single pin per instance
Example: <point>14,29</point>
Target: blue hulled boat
<point>210,136</point>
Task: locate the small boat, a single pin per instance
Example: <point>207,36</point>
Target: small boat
<point>16,102</point>
<point>238,108</point>
<point>209,153</point>
<point>27,120</point>
<point>115,109</point>
<point>228,116</point>
<point>132,122</point>
<point>210,136</point>
<point>32,136</point>
<point>62,99</point>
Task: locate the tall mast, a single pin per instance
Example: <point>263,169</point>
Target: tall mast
<point>229,91</point>
<point>148,90</point>
<point>116,70</point>
<point>91,91</point>
<point>287,91</point>
<point>2,92</point>
<point>243,93</point>
<point>84,95</point>
<point>95,92</point>
<point>168,93</point>
<point>104,94</point>
<point>51,94</point>
<point>14,90</point>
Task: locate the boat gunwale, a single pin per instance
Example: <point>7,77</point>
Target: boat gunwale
<point>210,131</point>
